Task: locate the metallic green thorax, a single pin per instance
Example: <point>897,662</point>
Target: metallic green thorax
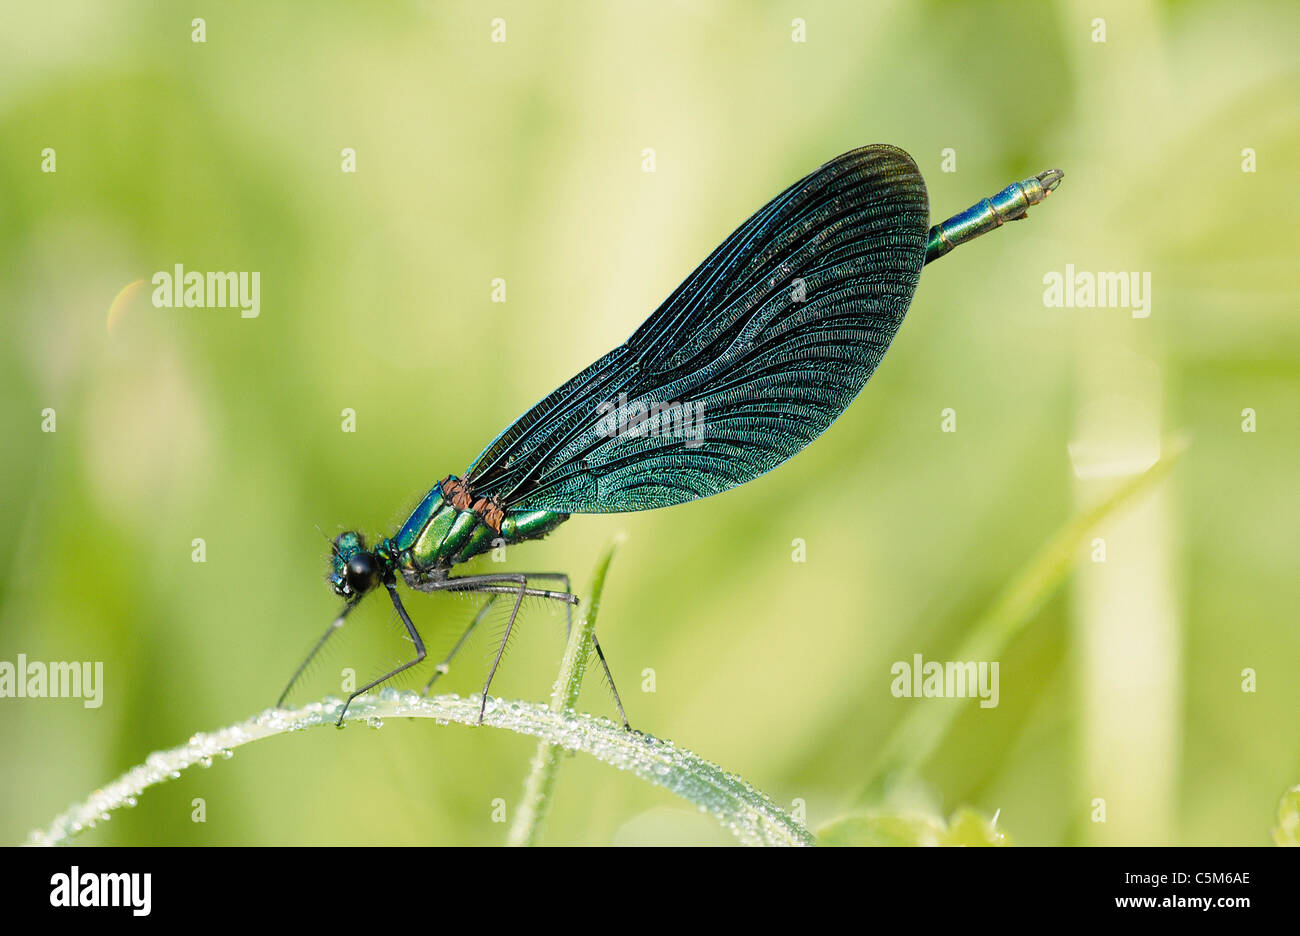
<point>437,536</point>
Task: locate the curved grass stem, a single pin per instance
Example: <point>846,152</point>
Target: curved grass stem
<point>749,814</point>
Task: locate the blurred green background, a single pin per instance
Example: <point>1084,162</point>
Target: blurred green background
<point>523,160</point>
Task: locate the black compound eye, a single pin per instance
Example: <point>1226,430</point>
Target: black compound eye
<point>360,572</point>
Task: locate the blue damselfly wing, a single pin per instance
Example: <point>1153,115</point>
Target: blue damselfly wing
<point>768,341</point>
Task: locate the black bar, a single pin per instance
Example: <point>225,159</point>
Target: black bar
<point>327,886</point>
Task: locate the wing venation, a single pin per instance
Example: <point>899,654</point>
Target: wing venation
<point>752,357</point>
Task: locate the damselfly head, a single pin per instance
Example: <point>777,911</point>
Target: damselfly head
<point>353,569</point>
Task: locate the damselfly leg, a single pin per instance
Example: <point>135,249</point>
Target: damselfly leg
<point>609,678</point>
<point>501,583</point>
<point>515,584</point>
<point>415,638</point>
<point>334,626</point>
<point>568,626</point>
<point>567,596</point>
<point>511,584</point>
<point>442,668</point>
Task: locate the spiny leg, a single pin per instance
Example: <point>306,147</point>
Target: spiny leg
<point>334,626</point>
<point>609,677</point>
<point>567,597</point>
<point>559,577</point>
<point>568,627</point>
<point>445,665</point>
<point>486,582</point>
<point>505,639</point>
<point>495,584</point>
<point>490,584</point>
<point>415,638</point>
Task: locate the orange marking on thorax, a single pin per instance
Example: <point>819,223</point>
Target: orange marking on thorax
<point>489,509</point>
<point>458,491</point>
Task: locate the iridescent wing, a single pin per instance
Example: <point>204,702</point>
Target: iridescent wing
<point>759,350</point>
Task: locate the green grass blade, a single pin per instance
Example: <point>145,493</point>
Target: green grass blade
<point>749,814</point>
<point>539,788</point>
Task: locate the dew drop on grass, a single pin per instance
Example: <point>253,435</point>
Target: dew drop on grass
<point>733,801</point>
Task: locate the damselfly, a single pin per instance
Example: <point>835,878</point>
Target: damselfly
<point>749,360</point>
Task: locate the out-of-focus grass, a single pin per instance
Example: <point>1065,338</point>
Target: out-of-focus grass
<point>1287,830</point>
<point>915,739</point>
<point>965,828</point>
